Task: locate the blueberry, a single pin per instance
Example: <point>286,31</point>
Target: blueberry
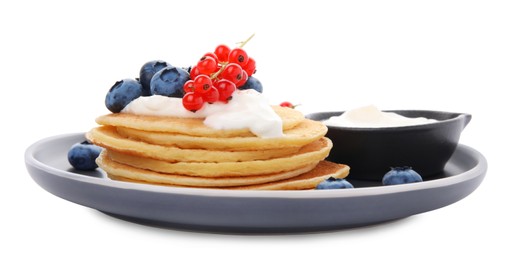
<point>188,69</point>
<point>122,93</point>
<point>334,183</point>
<point>252,83</point>
<point>401,175</point>
<point>147,71</point>
<point>169,82</point>
<point>82,156</point>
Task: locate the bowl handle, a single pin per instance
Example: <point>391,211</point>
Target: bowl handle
<point>466,118</point>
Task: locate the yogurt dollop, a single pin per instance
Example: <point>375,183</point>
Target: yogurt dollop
<point>372,117</point>
<point>247,109</point>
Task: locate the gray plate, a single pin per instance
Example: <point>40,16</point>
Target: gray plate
<point>250,211</point>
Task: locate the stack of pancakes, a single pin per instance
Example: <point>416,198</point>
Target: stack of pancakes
<point>184,152</point>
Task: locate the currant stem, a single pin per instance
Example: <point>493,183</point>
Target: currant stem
<point>216,74</point>
<point>242,44</point>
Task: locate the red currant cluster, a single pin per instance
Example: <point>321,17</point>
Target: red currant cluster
<point>216,76</point>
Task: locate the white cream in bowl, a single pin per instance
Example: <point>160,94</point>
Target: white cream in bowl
<point>372,117</point>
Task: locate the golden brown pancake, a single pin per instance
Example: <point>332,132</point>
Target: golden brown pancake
<point>307,155</point>
<point>305,181</point>
<point>183,152</point>
<point>118,170</point>
<point>108,137</point>
<point>190,126</point>
<point>304,133</point>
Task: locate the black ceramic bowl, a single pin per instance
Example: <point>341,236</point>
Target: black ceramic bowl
<point>371,152</point>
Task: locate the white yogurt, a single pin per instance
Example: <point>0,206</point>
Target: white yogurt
<point>248,109</point>
<point>372,117</point>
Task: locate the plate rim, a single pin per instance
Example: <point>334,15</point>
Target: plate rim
<point>479,169</point>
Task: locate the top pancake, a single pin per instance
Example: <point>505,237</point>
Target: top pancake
<point>191,126</point>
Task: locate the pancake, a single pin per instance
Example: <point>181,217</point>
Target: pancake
<point>191,126</point>
<point>118,170</point>
<point>304,133</point>
<point>108,138</point>
<point>305,181</point>
<point>184,152</point>
<point>307,155</point>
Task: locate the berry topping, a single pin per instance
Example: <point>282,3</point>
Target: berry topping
<point>147,71</point>
<point>243,80</point>
<point>252,83</point>
<point>187,69</point>
<point>288,104</point>
<point>211,54</point>
<point>202,84</point>
<point>232,72</point>
<point>82,156</point>
<point>214,78</point>
<point>193,101</point>
<point>207,65</point>
<point>218,74</point>
<point>194,71</point>
<point>250,67</point>
<point>238,56</point>
<point>169,82</point>
<point>188,86</point>
<point>222,52</point>
<point>211,96</point>
<point>225,88</point>
<point>401,175</point>
<point>122,93</point>
<point>334,183</point>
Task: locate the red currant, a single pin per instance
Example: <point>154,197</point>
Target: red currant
<point>211,54</point>
<point>243,80</point>
<point>222,52</point>
<point>287,104</point>
<point>192,101</point>
<point>238,56</point>
<point>232,72</point>
<point>188,86</point>
<point>207,65</point>
<point>194,72</point>
<point>202,83</point>
<point>250,67</point>
<point>225,88</point>
<point>211,96</point>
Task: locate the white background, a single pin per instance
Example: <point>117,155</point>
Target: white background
<point>59,58</point>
